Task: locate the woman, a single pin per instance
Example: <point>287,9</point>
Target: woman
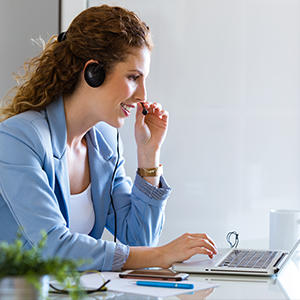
<point>61,166</point>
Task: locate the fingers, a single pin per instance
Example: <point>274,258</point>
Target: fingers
<point>199,243</point>
<point>139,115</point>
<point>158,111</point>
<point>203,236</point>
<point>153,109</point>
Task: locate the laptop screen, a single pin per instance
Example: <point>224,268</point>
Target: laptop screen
<point>289,276</point>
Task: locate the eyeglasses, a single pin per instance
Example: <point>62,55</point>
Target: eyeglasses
<point>74,285</point>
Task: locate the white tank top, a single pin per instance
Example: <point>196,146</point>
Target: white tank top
<point>82,215</point>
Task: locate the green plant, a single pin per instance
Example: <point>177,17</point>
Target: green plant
<point>16,261</point>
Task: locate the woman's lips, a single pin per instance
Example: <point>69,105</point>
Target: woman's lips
<point>126,108</point>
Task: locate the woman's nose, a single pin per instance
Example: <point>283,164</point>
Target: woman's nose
<point>141,92</point>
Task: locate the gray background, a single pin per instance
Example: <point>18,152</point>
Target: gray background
<point>20,22</point>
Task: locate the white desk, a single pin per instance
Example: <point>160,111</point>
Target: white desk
<point>230,287</point>
<point>237,287</point>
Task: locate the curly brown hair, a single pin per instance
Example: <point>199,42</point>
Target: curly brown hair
<point>104,33</point>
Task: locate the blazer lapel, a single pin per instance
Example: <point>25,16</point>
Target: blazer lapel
<point>101,169</point>
<point>62,186</point>
<point>58,130</point>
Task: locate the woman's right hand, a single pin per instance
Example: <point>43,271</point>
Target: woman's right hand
<point>180,249</point>
<point>186,246</point>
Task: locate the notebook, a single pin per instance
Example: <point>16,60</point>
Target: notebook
<point>238,262</point>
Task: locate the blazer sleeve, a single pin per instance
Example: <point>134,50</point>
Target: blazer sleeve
<point>140,208</point>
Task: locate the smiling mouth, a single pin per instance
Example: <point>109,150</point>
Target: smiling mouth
<point>127,108</point>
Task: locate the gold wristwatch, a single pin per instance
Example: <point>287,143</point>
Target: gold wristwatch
<point>144,172</point>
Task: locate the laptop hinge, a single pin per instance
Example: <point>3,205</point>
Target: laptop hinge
<point>280,261</point>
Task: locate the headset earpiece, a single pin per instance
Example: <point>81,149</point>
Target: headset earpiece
<point>94,74</point>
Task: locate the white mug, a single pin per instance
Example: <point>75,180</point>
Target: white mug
<point>284,229</point>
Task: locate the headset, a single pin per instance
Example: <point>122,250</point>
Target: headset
<point>94,74</point>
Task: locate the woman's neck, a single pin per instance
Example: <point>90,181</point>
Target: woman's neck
<point>78,121</point>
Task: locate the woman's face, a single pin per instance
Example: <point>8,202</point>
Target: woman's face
<point>124,87</point>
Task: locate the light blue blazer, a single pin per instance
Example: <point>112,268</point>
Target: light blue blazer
<point>35,195</point>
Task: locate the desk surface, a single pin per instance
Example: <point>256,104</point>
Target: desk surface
<point>237,287</point>
<point>230,287</point>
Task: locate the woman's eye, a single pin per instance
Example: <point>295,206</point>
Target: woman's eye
<point>134,77</point>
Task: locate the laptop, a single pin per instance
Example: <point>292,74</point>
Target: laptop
<point>238,262</point>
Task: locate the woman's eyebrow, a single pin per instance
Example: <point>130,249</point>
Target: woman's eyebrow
<point>136,70</point>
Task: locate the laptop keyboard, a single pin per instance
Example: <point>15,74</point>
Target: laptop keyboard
<point>248,259</point>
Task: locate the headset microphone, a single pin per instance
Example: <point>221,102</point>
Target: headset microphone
<point>145,111</point>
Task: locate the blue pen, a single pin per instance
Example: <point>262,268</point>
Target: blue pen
<point>166,284</point>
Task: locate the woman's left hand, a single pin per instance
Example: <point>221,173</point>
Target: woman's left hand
<point>150,133</point>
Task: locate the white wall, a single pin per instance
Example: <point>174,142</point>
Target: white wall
<point>21,21</point>
<point>70,9</point>
<point>228,72</point>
